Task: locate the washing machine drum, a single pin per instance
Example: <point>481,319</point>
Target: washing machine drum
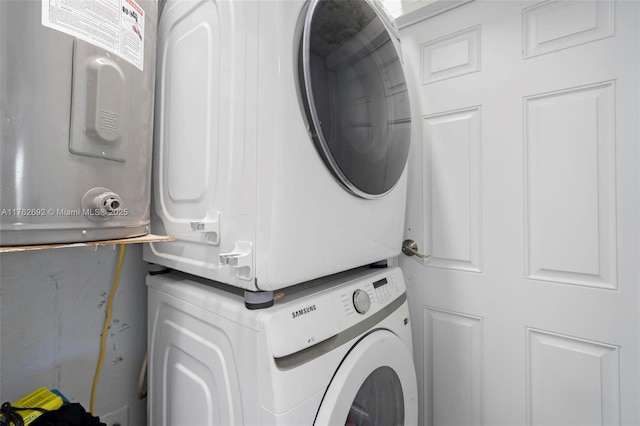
<point>355,95</point>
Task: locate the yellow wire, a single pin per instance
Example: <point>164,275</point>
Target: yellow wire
<point>107,321</point>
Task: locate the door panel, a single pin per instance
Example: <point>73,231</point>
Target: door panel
<point>558,366</point>
<point>453,334</point>
<point>524,190</point>
<point>569,149</point>
<point>453,188</point>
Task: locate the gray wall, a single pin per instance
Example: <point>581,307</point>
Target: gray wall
<point>52,310</point>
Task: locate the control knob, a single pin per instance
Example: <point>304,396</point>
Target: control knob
<point>361,301</point>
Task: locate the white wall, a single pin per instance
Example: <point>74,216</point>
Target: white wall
<point>52,310</point>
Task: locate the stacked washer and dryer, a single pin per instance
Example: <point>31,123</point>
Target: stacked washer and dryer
<point>281,139</point>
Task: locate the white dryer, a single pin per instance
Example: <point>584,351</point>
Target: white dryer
<point>336,351</point>
<point>281,138</point>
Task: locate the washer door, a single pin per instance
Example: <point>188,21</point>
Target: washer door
<point>355,95</point>
<point>374,386</point>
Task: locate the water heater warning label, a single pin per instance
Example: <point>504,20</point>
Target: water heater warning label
<point>115,25</point>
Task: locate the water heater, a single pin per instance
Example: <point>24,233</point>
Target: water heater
<point>76,119</point>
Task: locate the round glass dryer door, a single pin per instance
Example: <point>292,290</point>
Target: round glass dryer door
<point>355,95</point>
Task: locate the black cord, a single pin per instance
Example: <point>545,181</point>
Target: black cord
<point>9,414</point>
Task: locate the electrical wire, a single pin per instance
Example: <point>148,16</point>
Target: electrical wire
<point>105,328</point>
<point>9,414</point>
<point>142,379</point>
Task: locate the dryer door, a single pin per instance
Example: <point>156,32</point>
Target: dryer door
<point>374,386</point>
<point>355,95</point>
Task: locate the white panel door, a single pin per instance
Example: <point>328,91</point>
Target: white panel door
<point>524,190</point>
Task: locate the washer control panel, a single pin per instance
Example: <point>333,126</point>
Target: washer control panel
<point>366,297</point>
<point>324,313</point>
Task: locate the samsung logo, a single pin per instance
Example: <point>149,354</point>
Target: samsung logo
<point>303,311</point>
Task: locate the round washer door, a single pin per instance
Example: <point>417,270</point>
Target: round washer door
<point>355,95</point>
<point>375,385</point>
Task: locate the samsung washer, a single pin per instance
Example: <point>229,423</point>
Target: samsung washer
<point>336,351</point>
<point>281,139</point>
